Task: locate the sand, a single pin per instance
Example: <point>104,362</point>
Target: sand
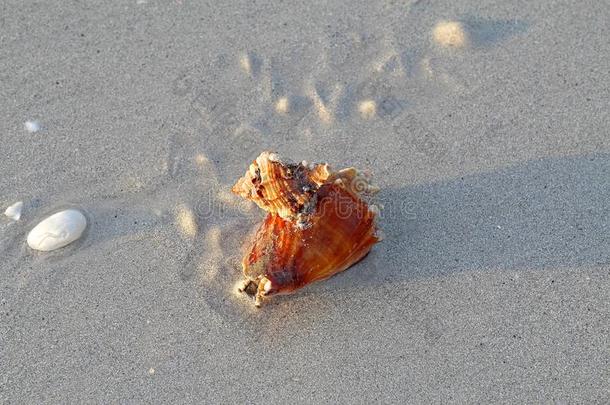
<point>488,136</point>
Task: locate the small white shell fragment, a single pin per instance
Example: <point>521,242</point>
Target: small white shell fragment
<point>14,211</point>
<point>58,230</point>
<point>31,126</point>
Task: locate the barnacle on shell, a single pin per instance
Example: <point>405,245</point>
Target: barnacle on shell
<point>319,223</point>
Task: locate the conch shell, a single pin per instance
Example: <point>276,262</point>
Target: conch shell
<point>319,223</point>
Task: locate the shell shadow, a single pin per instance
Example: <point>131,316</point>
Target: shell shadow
<point>541,214</point>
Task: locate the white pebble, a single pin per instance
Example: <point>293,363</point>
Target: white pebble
<point>14,211</point>
<point>32,126</point>
<point>368,109</point>
<point>450,34</point>
<point>58,230</point>
<point>282,106</point>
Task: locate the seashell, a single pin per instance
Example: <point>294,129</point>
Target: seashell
<point>58,230</point>
<point>14,211</point>
<point>287,253</point>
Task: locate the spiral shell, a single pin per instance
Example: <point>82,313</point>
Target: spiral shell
<point>319,223</point>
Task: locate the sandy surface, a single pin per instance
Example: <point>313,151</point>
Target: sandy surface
<point>489,137</point>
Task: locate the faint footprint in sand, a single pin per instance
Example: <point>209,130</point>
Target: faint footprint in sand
<point>209,221</point>
<point>265,110</point>
<point>248,103</point>
<point>459,37</point>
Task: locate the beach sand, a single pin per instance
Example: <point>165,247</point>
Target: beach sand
<point>485,124</point>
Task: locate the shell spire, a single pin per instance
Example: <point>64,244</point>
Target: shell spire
<point>284,188</point>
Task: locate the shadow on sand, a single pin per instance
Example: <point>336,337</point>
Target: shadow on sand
<point>553,212</point>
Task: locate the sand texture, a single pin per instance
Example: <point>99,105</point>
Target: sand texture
<point>486,125</point>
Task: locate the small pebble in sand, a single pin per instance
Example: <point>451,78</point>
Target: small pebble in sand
<point>32,126</point>
<point>246,64</point>
<point>282,105</point>
<point>368,109</point>
<point>187,222</point>
<point>58,230</point>
<point>201,160</point>
<point>151,371</point>
<point>14,211</point>
<point>450,34</point>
